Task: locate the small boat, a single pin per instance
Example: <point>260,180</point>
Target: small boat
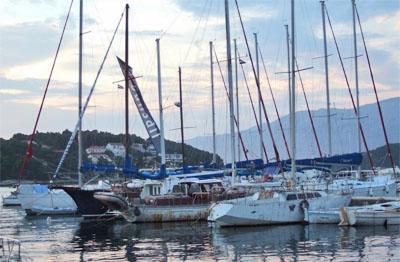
<point>11,200</point>
<point>383,214</point>
<point>347,216</point>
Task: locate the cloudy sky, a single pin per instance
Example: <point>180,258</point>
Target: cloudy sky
<point>30,31</point>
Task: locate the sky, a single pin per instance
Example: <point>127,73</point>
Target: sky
<point>30,32</point>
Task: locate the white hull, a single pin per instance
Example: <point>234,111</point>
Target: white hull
<point>323,216</point>
<point>11,200</point>
<point>51,199</point>
<point>381,186</point>
<point>276,209</point>
<point>375,215</point>
<point>375,218</point>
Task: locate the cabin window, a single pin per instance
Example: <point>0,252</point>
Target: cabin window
<point>291,197</point>
<point>310,195</point>
<point>194,188</point>
<point>317,194</point>
<point>301,196</point>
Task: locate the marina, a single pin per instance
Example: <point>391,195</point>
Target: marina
<point>70,238</point>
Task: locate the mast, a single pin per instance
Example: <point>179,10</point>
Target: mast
<point>328,108</point>
<point>127,159</point>
<point>80,183</point>
<point>259,97</point>
<point>237,98</point>
<point>293,99</point>
<point>289,75</point>
<point>356,81</point>
<point>163,161</point>
<point>181,113</point>
<point>229,60</point>
<point>214,160</point>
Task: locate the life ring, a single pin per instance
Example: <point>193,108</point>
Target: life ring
<point>136,211</point>
<point>304,204</point>
<point>289,183</point>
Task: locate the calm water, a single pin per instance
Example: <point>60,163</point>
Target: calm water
<point>71,239</point>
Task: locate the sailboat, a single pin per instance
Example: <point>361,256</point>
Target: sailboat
<point>269,207</point>
<point>39,198</point>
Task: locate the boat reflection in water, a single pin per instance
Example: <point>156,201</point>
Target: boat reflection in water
<point>189,241</point>
<point>149,241</point>
<point>307,243</point>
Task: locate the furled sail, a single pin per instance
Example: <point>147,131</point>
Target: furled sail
<point>148,121</point>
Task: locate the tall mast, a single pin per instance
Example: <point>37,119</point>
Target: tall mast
<point>237,97</point>
<point>356,82</point>
<point>127,87</point>
<point>80,95</point>
<point>289,74</point>
<point>181,113</point>
<point>259,97</point>
<point>163,161</point>
<point>229,60</point>
<point>214,160</point>
<point>293,98</point>
<point>328,107</point>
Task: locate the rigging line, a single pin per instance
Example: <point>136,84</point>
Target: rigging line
<point>259,91</point>
<point>376,94</point>
<point>351,95</point>
<point>254,112</point>
<point>273,99</point>
<point>71,139</point>
<point>29,152</point>
<point>229,100</point>
<point>308,110</point>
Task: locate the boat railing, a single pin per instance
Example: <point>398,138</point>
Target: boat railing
<point>10,249</point>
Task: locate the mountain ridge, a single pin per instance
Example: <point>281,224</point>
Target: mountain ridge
<point>343,128</point>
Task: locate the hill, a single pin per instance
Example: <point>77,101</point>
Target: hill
<point>49,147</point>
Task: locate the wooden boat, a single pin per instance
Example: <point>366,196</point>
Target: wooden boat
<point>188,201</point>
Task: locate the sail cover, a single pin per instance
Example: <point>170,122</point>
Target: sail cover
<point>149,123</point>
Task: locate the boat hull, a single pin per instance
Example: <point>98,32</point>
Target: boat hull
<point>377,218</point>
<point>11,200</point>
<point>38,210</point>
<point>252,211</point>
<point>88,206</point>
<point>151,214</point>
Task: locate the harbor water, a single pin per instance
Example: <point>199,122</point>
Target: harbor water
<point>69,238</point>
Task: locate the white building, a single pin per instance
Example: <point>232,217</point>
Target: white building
<point>95,150</point>
<point>118,149</point>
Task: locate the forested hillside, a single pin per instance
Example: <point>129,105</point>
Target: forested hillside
<point>49,147</point>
